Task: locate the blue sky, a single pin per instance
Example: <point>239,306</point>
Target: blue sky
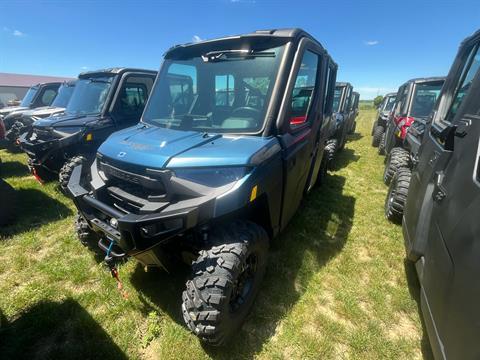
<point>377,44</point>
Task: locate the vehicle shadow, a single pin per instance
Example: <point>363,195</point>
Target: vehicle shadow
<point>317,233</point>
<point>13,169</point>
<point>33,208</point>
<point>343,158</point>
<point>354,137</point>
<point>414,289</point>
<point>56,330</point>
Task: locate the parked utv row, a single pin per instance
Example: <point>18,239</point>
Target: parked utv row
<point>203,163</point>
<point>432,169</point>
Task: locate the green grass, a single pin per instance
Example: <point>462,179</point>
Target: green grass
<point>336,285</point>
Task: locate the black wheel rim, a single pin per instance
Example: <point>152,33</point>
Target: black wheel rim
<point>243,286</point>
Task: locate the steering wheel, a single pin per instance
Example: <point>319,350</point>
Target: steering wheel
<point>245,112</point>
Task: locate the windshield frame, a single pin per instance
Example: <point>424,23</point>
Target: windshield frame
<point>104,106</point>
<point>273,91</point>
<point>341,102</point>
<point>34,90</point>
<point>59,93</point>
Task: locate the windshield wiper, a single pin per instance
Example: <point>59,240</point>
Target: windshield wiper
<point>226,55</point>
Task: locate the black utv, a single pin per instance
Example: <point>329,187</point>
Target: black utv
<point>23,120</point>
<point>383,114</point>
<point>440,224</point>
<point>415,101</point>
<point>102,102</point>
<point>8,203</point>
<point>39,95</point>
<point>353,112</point>
<point>231,140</point>
<point>342,114</point>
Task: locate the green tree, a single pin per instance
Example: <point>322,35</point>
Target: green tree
<point>378,100</point>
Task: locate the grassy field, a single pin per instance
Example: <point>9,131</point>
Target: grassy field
<point>336,287</point>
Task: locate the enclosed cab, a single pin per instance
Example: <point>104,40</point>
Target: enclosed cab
<point>414,102</point>
<point>440,224</point>
<point>353,112</point>
<point>39,95</point>
<point>23,120</point>
<point>102,102</point>
<point>383,114</point>
<point>338,129</point>
<point>231,140</point>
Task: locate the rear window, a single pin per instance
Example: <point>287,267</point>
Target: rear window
<point>424,98</point>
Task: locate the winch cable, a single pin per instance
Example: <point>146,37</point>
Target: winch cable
<point>114,271</point>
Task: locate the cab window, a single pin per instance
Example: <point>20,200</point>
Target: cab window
<point>133,97</point>
<point>303,90</point>
<point>48,96</point>
<point>330,88</point>
<point>468,73</point>
<point>224,90</point>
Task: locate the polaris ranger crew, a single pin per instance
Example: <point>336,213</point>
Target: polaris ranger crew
<point>440,224</point>
<point>23,120</point>
<point>383,114</point>
<point>230,141</point>
<point>338,130</point>
<point>102,102</point>
<point>354,112</point>
<point>39,95</point>
<point>415,100</point>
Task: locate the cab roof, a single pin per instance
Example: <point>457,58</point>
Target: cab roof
<point>280,35</point>
<point>343,84</point>
<point>426,79</point>
<point>113,71</point>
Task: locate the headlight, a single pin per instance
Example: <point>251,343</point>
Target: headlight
<point>212,177</point>
<point>65,131</point>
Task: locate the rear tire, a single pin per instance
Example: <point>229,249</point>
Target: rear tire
<point>225,281</point>
<point>377,135</point>
<point>8,203</point>
<point>398,158</point>
<point>354,127</point>
<point>375,124</point>
<point>67,169</point>
<point>330,150</point>
<point>397,195</point>
<point>381,146</point>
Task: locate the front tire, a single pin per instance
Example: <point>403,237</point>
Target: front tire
<point>397,195</point>
<point>377,135</point>
<point>225,281</point>
<point>330,150</point>
<point>67,169</point>
<point>381,146</point>
<point>85,234</point>
<point>398,158</point>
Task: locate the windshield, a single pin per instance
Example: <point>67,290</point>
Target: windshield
<point>89,96</point>
<point>63,96</point>
<point>424,98</point>
<point>389,103</point>
<point>226,91</point>
<point>28,98</point>
<point>337,97</point>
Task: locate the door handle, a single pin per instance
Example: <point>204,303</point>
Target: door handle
<point>462,127</point>
<point>433,159</point>
<point>439,191</point>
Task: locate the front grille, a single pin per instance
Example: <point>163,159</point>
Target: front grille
<point>130,191</point>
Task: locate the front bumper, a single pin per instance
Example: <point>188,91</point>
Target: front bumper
<point>136,234</point>
<point>41,150</point>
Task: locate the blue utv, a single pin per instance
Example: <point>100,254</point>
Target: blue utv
<point>230,141</point>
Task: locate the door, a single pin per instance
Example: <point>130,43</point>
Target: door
<point>130,100</point>
<point>300,121</point>
<point>448,178</point>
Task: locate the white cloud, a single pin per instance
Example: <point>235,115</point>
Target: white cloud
<point>371,42</point>
<point>196,38</point>
<point>84,68</point>
<point>369,92</point>
<point>18,33</point>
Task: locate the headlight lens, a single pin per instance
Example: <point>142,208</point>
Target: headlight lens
<point>212,177</point>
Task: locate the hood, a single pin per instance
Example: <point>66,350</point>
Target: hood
<point>44,111</point>
<point>9,109</point>
<point>156,147</point>
<point>66,120</point>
